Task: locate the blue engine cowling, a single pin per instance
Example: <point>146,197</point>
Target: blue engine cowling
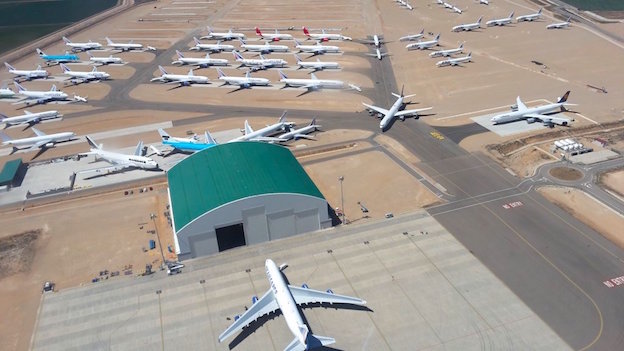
<point>254,299</point>
<point>305,286</point>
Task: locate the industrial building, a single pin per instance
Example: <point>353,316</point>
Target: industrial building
<point>12,174</point>
<point>241,193</point>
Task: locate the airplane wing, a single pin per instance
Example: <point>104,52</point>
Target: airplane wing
<point>536,116</point>
<point>548,119</point>
<point>411,112</point>
<point>311,86</point>
<point>39,144</point>
<point>304,296</point>
<point>377,109</point>
<point>265,305</point>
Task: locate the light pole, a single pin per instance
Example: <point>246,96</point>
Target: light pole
<point>344,221</point>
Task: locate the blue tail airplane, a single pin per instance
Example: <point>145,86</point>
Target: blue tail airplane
<point>67,57</point>
<point>187,144</point>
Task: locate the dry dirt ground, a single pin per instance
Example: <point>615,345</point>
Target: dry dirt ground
<point>614,181</point>
<point>589,211</point>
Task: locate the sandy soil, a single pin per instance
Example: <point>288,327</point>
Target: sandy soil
<point>614,181</point>
<point>524,163</point>
<point>591,212</point>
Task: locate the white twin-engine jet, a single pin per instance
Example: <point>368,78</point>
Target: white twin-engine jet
<point>395,111</point>
<point>127,46</point>
<point>182,79</point>
<point>421,45</point>
<point>41,97</point>
<point>27,74</point>
<point>81,77</point>
<point>300,133</point>
<point>30,118</point>
<point>535,114</point>
<point>263,134</point>
<point>287,298</point>
<point>468,26</point>
<point>312,83</point>
<point>317,49</point>
<point>559,25</point>
<point>448,52</point>
<point>317,65</point>
<point>376,40</point>
<point>218,47</point>
<point>484,2</point>
<point>265,48</point>
<point>411,37</point>
<point>500,21</point>
<point>277,36</point>
<point>118,160</point>
<point>6,92</point>
<point>324,36</point>
<point>530,17</point>
<point>258,64</point>
<point>244,82</point>
<point>201,62</point>
<point>104,60</point>
<point>90,45</point>
<point>378,54</point>
<point>41,140</point>
<point>229,35</point>
<point>455,61</point>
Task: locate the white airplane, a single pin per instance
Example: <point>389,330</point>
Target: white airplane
<point>81,77</point>
<point>41,140</point>
<point>377,40</point>
<point>378,54</point>
<point>127,46</point>
<point>258,64</point>
<point>229,35</point>
<point>530,17</point>
<point>535,114</point>
<point>301,133</point>
<point>317,65</point>
<point>90,45</point>
<point>273,36</point>
<point>468,26</point>
<point>218,47</point>
<point>265,48</point>
<point>243,82</point>
<point>455,61</point>
<point>387,116</point>
<point>30,118</point>
<point>202,62</point>
<point>312,83</point>
<point>104,60</point>
<point>182,79</point>
<point>117,160</point>
<point>447,5</point>
<point>317,49</point>
<point>262,134</point>
<point>407,5</point>
<point>324,36</point>
<point>79,98</point>
<point>559,25</point>
<point>500,21</point>
<point>440,2</point>
<point>6,92</point>
<point>28,74</point>
<point>457,10</point>
<point>448,52</point>
<point>421,45</point>
<point>41,97</point>
<point>413,36</point>
<point>286,298</point>
<point>484,2</point>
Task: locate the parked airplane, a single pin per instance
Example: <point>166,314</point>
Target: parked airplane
<point>229,35</point>
<point>266,48</point>
<point>277,36</point>
<point>312,83</point>
<point>263,134</point>
<point>455,61</point>
<point>41,140</point>
<point>187,144</point>
<point>6,92</point>
<point>57,58</point>
<point>447,5</point>
<point>27,74</point>
<point>258,64</point>
<point>301,133</point>
<point>29,118</point>
<point>317,65</point>
<point>500,21</point>
<point>182,79</point>
<point>484,2</point>
<point>81,77</point>
<point>218,47</point>
<point>243,82</point>
<point>535,114</point>
<point>378,54</point>
<point>448,52</point>
<point>376,40</point>
<point>421,45</point>
<point>559,25</point>
<point>457,10</point>
<point>317,49</point>
<point>127,46</point>
<point>202,62</point>
<point>104,60</point>
<point>413,36</point>
<point>286,298</point>
<point>407,5</point>
<point>90,45</point>
<point>118,160</point>
<point>324,36</point>
<point>468,26</point>
<point>395,111</point>
<point>530,17</point>
<point>41,97</point>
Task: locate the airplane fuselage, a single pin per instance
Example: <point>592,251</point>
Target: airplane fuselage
<point>466,27</point>
<point>60,58</point>
<point>213,47</point>
<point>30,74</point>
<point>201,61</point>
<point>318,83</point>
<point>224,36</point>
<point>499,22</point>
<point>318,64</point>
<point>445,53</point>
<point>105,60</point>
<point>293,133</point>
<point>244,81</point>
<point>268,130</point>
<point>184,78</point>
<point>32,116</point>
<point>318,48</point>
<point>46,95</point>
<point>529,18</point>
<point>264,48</point>
<point>6,92</point>
<point>558,25</point>
<point>422,44</point>
<point>84,46</point>
<point>50,139</point>
<point>411,37</point>
<point>453,62</point>
<point>187,145</point>
<point>132,160</point>
<point>263,62</point>
<point>88,75</point>
<point>519,115</point>
<point>385,121</point>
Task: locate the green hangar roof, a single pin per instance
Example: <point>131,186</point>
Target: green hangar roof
<point>228,172</point>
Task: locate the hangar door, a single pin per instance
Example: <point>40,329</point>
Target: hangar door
<point>230,237</point>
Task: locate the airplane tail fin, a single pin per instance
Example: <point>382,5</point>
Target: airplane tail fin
<point>564,98</point>
<point>248,129</point>
<point>209,29</point>
<point>9,67</point>
<point>162,70</point>
<point>89,54</point>
<point>53,88</point>
<point>258,32</point>
<point>93,143</point>
<point>64,68</point>
<point>139,149</point>
<point>313,122</point>
<point>540,10</point>
<point>297,58</point>
<point>479,20</point>
<point>237,56</point>
<point>5,137</point>
<point>248,74</point>
<point>208,138</point>
<point>196,41</point>
<point>20,88</point>
<point>281,74</point>
<point>164,135</point>
<point>67,41</point>
<point>190,72</point>
<point>282,119</point>
<point>220,73</point>
<point>437,37</point>
<point>179,54</point>
<point>313,76</point>
<point>569,18</point>
<point>110,42</point>
<point>305,31</point>
<point>297,43</point>
<point>40,52</point>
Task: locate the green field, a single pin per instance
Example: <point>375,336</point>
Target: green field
<point>597,5</point>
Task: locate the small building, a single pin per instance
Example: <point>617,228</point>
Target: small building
<point>239,194</point>
<point>12,174</point>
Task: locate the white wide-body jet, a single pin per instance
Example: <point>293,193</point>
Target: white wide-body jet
<point>277,36</point>
<point>421,45</point>
<point>500,21</point>
<point>6,92</point>
<point>484,2</point>
<point>30,118</point>
<point>127,46</point>
<point>412,37</point>
<point>324,36</point>
<point>312,83</point>
<point>265,48</point>
<point>258,64</point>
<point>378,54</point>
<point>387,116</point>
<point>201,62</point>
<point>27,74</point>
<point>559,25</point>
<point>229,35</point>
<point>536,114</point>
<point>104,60</point>
<point>300,133</point>
<point>218,47</point>
<point>448,52</point>
<point>41,140</point>
<point>263,134</point>
<point>530,17</point>
<point>455,61</point>
<point>244,82</point>
<point>81,77</point>
<point>41,97</point>
<point>182,79</point>
<point>118,160</point>
<point>317,49</point>
<point>287,298</point>
<point>90,45</point>
<point>317,65</point>
<point>467,26</point>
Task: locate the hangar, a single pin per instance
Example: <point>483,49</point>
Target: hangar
<point>241,193</point>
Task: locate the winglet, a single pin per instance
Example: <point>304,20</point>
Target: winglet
<point>237,56</point>
<point>313,76</point>
<point>437,37</point>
